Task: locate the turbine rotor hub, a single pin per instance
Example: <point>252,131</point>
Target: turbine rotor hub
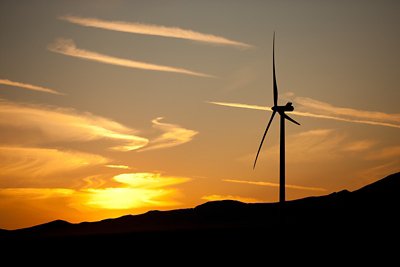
<point>287,108</point>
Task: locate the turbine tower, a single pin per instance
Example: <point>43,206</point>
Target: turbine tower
<point>281,110</point>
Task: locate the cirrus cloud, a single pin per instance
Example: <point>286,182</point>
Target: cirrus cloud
<point>155,30</point>
<point>173,135</point>
<point>317,109</point>
<point>67,47</point>
<point>28,86</point>
<point>62,124</point>
<point>328,109</point>
<point>274,185</point>
<point>32,162</point>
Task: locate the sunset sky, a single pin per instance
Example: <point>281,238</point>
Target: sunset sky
<point>110,108</point>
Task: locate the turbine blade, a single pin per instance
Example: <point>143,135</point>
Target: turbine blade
<point>290,119</point>
<point>262,140</point>
<point>273,72</point>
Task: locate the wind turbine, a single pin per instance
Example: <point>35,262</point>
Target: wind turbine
<point>281,110</point>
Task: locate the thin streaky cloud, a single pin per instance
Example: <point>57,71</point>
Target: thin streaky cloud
<point>238,105</point>
<point>155,30</point>
<point>148,180</point>
<point>67,47</point>
<point>29,87</point>
<point>377,123</point>
<point>173,135</point>
<point>329,109</point>
<point>312,115</point>
<point>316,132</point>
<point>36,193</point>
<point>274,185</point>
<point>112,166</point>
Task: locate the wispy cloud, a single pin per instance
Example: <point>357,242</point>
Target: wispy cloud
<point>329,109</point>
<point>42,124</point>
<point>315,146</point>
<point>29,87</point>
<point>330,112</point>
<point>274,185</point>
<point>149,29</point>
<point>67,47</point>
<point>230,197</point>
<point>309,147</point>
<point>358,146</point>
<point>112,166</point>
<point>238,105</point>
<point>327,148</point>
<point>173,135</point>
<point>315,132</point>
<point>30,163</point>
<point>60,124</point>
<point>36,193</point>
<point>385,153</point>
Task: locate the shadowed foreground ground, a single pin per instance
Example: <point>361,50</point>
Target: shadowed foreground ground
<point>365,218</point>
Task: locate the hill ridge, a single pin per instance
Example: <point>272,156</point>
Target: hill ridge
<point>373,204</point>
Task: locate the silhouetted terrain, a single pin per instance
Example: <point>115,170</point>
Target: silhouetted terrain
<point>371,211</point>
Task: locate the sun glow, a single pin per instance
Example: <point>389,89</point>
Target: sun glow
<point>124,198</point>
<point>138,190</point>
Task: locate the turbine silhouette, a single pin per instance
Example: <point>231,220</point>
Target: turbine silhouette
<point>281,110</point>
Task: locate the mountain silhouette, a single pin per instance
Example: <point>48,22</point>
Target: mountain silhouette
<point>369,211</point>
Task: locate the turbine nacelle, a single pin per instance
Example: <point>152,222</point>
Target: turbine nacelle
<point>286,108</point>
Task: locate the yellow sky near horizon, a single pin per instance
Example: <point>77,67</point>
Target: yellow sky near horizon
<point>114,108</point>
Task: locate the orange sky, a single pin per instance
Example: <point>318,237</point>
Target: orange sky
<point>110,108</point>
